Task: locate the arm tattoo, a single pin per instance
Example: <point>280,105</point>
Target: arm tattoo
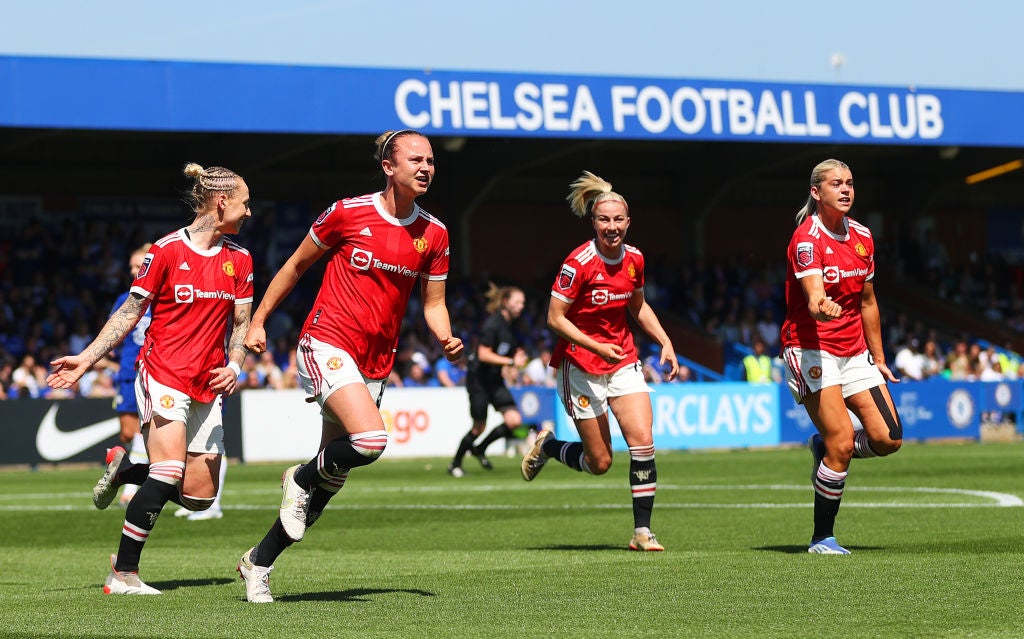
<point>236,344</point>
<point>120,324</point>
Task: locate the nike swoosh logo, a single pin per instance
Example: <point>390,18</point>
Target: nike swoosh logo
<point>54,444</point>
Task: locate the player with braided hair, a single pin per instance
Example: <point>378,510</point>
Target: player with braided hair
<point>196,282</point>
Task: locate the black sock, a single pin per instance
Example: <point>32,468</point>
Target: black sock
<point>273,544</point>
<point>643,478</point>
<point>828,493</point>
<point>139,520</point>
<point>464,446</point>
<point>276,540</point>
<point>317,503</point>
<point>133,473</point>
<point>322,493</point>
<point>500,431</point>
<point>568,453</point>
<point>339,454</point>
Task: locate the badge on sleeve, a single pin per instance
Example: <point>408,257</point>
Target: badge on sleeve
<point>323,216</point>
<point>566,277</point>
<point>804,253</point>
<point>146,261</point>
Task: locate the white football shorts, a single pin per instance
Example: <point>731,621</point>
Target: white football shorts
<point>324,369</point>
<point>585,396</point>
<point>809,371</point>
<point>204,423</point>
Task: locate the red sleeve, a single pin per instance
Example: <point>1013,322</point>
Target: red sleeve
<point>243,282</point>
<point>568,281</point>
<point>438,266</point>
<point>804,253</point>
<point>327,229</point>
<point>152,274</point>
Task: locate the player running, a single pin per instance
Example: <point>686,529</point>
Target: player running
<point>832,343</point>
<point>378,247</point>
<point>599,285</point>
<point>197,283</point>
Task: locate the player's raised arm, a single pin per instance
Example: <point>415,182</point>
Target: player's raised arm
<point>67,370</point>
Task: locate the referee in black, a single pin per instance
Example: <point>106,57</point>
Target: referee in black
<point>497,348</point>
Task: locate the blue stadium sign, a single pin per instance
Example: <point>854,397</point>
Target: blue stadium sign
<point>175,96</point>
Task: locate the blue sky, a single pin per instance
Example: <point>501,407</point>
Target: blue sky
<point>880,42</point>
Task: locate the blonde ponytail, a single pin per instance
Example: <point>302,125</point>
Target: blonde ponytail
<point>587,191</point>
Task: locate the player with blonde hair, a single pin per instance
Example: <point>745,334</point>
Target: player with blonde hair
<point>832,343</point>
<point>601,284</point>
<point>197,282</point>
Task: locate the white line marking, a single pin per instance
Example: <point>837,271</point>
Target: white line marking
<point>521,507</point>
<point>993,499</point>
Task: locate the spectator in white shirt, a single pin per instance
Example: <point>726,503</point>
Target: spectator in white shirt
<point>538,371</point>
<point>909,362</point>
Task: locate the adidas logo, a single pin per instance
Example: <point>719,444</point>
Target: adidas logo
<point>828,250</point>
<point>366,231</point>
<point>184,267</point>
<point>599,278</point>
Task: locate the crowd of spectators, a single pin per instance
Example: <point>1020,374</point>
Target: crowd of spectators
<point>57,285</point>
<point>964,360</point>
<point>989,283</point>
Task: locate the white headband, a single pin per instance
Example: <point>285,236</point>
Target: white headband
<point>384,149</point>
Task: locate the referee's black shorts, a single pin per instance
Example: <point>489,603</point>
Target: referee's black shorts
<point>483,394</point>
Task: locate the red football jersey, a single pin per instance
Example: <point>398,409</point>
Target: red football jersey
<point>598,290</point>
<point>193,294</point>
<point>845,262</point>
<point>374,262</point>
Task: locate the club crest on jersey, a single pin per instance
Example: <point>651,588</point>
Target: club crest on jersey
<point>167,401</point>
<point>228,268</point>
<point>863,252</point>
<point>566,277</point>
<point>145,265</point>
<point>420,244</point>
<point>631,272</point>
<point>804,253</point>
<point>361,259</point>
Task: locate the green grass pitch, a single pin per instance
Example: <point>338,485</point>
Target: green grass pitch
<point>407,551</point>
